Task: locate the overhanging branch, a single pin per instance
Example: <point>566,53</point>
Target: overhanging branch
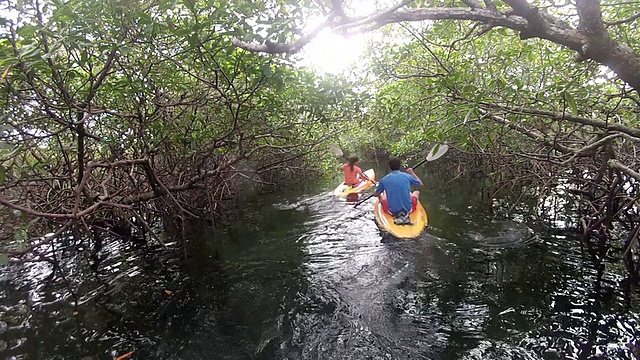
<point>590,40</point>
<point>600,124</point>
<point>625,169</point>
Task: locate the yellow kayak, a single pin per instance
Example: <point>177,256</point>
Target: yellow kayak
<point>419,221</point>
<point>344,190</point>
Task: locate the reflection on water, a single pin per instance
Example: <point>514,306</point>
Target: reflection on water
<point>308,277</point>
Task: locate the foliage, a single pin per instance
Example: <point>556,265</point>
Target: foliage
<point>117,112</point>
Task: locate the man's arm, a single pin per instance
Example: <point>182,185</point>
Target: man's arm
<point>416,179</point>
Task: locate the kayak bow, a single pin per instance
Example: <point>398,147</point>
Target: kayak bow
<point>419,221</point>
<point>344,190</point>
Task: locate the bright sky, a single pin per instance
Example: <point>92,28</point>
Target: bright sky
<point>332,53</point>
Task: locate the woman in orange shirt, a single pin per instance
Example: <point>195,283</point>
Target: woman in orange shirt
<point>351,172</point>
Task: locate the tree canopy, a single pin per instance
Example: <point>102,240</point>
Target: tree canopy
<point>594,30</point>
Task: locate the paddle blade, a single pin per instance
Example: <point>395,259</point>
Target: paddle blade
<point>335,150</point>
<point>437,152</point>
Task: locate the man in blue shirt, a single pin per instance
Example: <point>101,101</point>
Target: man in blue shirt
<point>395,190</point>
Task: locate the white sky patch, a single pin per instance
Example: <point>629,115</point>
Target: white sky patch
<point>333,53</point>
<point>9,12</point>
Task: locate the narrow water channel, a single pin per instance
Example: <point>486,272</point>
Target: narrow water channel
<point>304,276</point>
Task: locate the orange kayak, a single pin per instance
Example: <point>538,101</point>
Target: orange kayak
<point>344,190</point>
<point>419,222</point>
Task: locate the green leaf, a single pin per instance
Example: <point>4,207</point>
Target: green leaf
<point>20,235</point>
<point>466,117</point>
<point>4,259</point>
<point>194,41</point>
<point>502,31</point>
<point>571,102</point>
<point>64,13</point>
<point>266,70</point>
<point>2,175</point>
<point>182,31</point>
<point>27,30</point>
<point>190,4</point>
<point>30,51</point>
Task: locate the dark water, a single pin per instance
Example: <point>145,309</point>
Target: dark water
<point>308,277</point>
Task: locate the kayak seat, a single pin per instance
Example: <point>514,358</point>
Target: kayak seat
<point>414,205</point>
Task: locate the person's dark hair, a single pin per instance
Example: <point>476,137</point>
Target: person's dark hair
<point>394,163</point>
<point>352,161</point>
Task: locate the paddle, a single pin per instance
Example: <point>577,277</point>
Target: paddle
<point>336,151</point>
<point>434,154</point>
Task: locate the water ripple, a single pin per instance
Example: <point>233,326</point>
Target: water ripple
<point>308,277</point>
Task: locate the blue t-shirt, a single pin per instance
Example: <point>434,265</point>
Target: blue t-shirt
<point>397,184</point>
